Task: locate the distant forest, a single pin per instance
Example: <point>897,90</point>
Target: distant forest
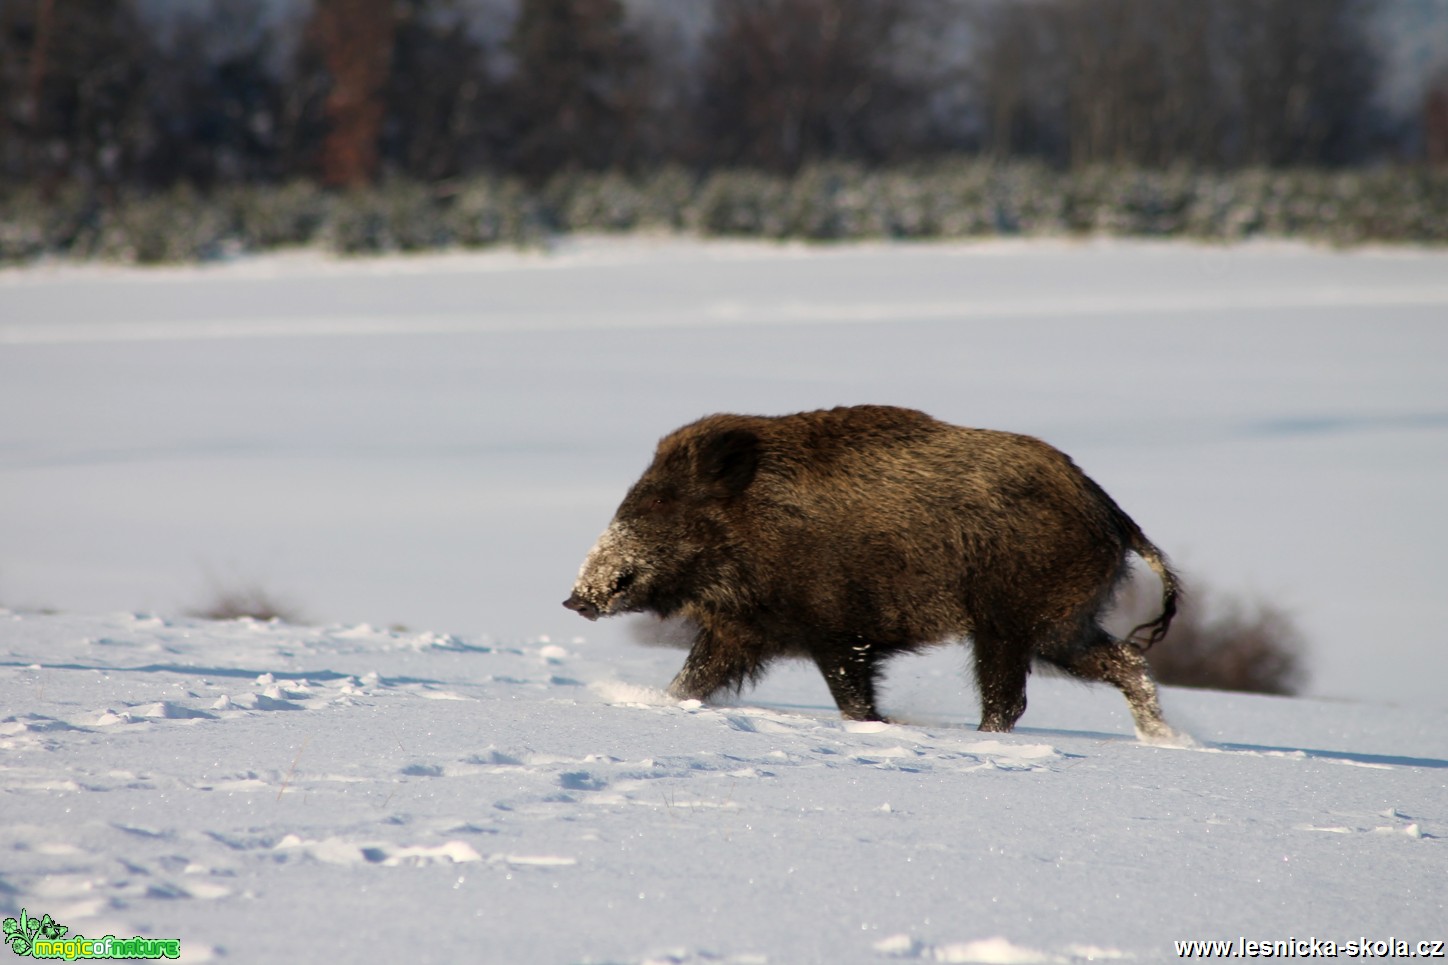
<point>344,92</point>
<point>178,130</point>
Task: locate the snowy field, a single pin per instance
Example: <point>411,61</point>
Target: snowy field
<point>435,443</point>
<point>271,793</point>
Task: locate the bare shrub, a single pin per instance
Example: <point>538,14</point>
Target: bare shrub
<point>1223,643</point>
<point>248,601</point>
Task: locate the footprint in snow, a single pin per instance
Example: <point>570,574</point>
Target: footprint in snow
<point>336,850</point>
<point>1398,824</point>
<point>990,950</point>
<point>254,702</point>
<point>581,781</point>
<point>32,724</point>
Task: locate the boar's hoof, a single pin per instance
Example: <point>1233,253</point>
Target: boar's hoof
<point>584,608</point>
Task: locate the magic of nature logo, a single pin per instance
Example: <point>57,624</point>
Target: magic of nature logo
<point>45,938</point>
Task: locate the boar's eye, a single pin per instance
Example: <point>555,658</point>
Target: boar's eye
<point>658,504</point>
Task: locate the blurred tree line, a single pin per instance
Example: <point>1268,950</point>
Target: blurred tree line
<point>112,93</point>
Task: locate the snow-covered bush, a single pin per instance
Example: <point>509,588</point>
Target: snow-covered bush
<point>959,198</point>
<point>397,216</point>
<point>487,211</point>
<point>748,203</point>
<point>611,202</point>
<point>266,217</point>
<point>23,235</point>
<point>174,226</point>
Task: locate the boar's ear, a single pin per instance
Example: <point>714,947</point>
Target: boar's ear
<point>729,458</point>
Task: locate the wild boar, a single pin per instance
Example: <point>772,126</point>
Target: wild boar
<point>847,535</point>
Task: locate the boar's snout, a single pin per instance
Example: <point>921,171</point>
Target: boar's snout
<point>608,573</point>
<point>582,606</point>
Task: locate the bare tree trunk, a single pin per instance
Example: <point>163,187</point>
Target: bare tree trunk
<point>790,81</point>
<point>1435,124</point>
<point>39,53</point>
<point>1005,64</point>
<point>356,42</point>
<point>40,49</point>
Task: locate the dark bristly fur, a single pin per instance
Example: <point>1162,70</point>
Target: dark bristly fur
<point>847,535</point>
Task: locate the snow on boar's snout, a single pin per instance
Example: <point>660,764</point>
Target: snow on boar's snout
<point>606,575</point>
<point>847,535</point>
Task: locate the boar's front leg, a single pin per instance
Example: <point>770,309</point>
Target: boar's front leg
<point>1001,667</point>
<point>850,673</point>
<point>721,657</point>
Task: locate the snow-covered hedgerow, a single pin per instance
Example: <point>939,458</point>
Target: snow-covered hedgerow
<point>827,202</point>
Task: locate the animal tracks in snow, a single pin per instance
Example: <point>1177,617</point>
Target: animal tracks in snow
<point>235,769</point>
<point>1390,821</point>
<point>991,950</point>
<point>834,743</point>
<point>253,724</point>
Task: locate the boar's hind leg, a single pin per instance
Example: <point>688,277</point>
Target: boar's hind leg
<point>1122,665</point>
<point>851,678</point>
<point>1001,668</point>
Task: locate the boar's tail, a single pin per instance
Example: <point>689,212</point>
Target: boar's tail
<point>1136,541</point>
<point>1170,592</point>
<point>1171,589</point>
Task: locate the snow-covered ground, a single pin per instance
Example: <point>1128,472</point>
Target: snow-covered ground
<point>273,793</point>
<point>437,441</point>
